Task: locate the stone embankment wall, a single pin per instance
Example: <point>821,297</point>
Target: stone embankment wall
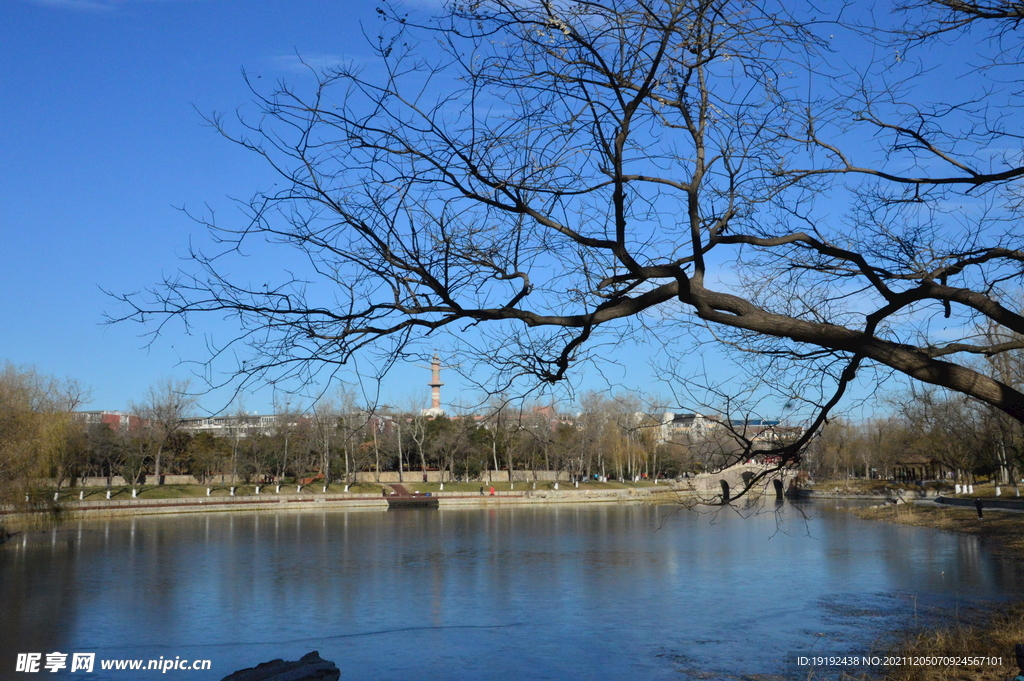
<point>307,502</point>
<point>701,488</point>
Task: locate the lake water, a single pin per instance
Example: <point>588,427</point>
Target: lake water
<point>555,592</point>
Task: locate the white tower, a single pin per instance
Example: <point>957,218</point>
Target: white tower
<point>435,388</point>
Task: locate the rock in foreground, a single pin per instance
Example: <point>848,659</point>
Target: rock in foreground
<point>310,668</point>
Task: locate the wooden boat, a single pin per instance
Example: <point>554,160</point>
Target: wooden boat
<point>412,501</point>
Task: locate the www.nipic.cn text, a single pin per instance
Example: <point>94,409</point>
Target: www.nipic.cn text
<point>30,663</point>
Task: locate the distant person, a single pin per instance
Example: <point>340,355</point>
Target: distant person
<point>978,505</point>
<point>492,490</point>
<point>481,490</point>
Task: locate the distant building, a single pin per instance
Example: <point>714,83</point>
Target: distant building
<point>686,427</point>
<point>234,425</point>
<point>117,420</point>
<point>693,427</point>
<point>237,425</point>
<point>919,467</point>
<point>552,417</point>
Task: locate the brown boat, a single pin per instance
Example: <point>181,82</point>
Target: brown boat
<point>403,498</point>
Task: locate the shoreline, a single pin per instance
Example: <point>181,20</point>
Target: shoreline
<point>1001,530</point>
<point>1001,533</point>
<point>184,499</point>
<point>305,502</point>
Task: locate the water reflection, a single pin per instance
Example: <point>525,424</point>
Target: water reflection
<point>559,593</point>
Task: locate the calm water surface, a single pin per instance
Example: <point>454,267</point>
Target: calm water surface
<point>593,592</point>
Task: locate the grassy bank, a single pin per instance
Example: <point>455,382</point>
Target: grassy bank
<point>223,490</point>
<point>863,487</point>
<point>1002,533</point>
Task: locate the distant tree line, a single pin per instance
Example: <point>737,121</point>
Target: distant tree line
<point>37,434</point>
<point>44,447</point>
<point>966,438</point>
<point>961,437</point>
<point>335,440</point>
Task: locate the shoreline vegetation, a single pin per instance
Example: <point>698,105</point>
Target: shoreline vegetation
<point>1003,534</point>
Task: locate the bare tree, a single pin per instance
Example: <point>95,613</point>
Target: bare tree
<point>353,431</point>
<point>288,435</point>
<point>135,453</point>
<point>502,421</point>
<point>326,419</point>
<point>103,445</point>
<point>239,426</point>
<point>162,411</point>
<point>1006,434</point>
<point>832,454</point>
<point>559,173</point>
<point>391,431</point>
<point>418,432</point>
<point>933,424</point>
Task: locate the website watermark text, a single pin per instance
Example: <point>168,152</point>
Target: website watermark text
<point>32,663</point>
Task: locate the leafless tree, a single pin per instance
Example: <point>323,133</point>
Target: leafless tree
<point>238,429</point>
<point>832,453</point>
<point>162,411</point>
<point>391,431</point>
<point>289,435</point>
<point>326,419</point>
<point>135,454</point>
<point>502,422</point>
<point>554,174</point>
<point>1006,434</point>
<point>418,433</point>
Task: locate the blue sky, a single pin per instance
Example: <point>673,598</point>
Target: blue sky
<point>104,144</point>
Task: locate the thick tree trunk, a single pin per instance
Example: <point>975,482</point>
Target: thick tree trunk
<point>736,312</point>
